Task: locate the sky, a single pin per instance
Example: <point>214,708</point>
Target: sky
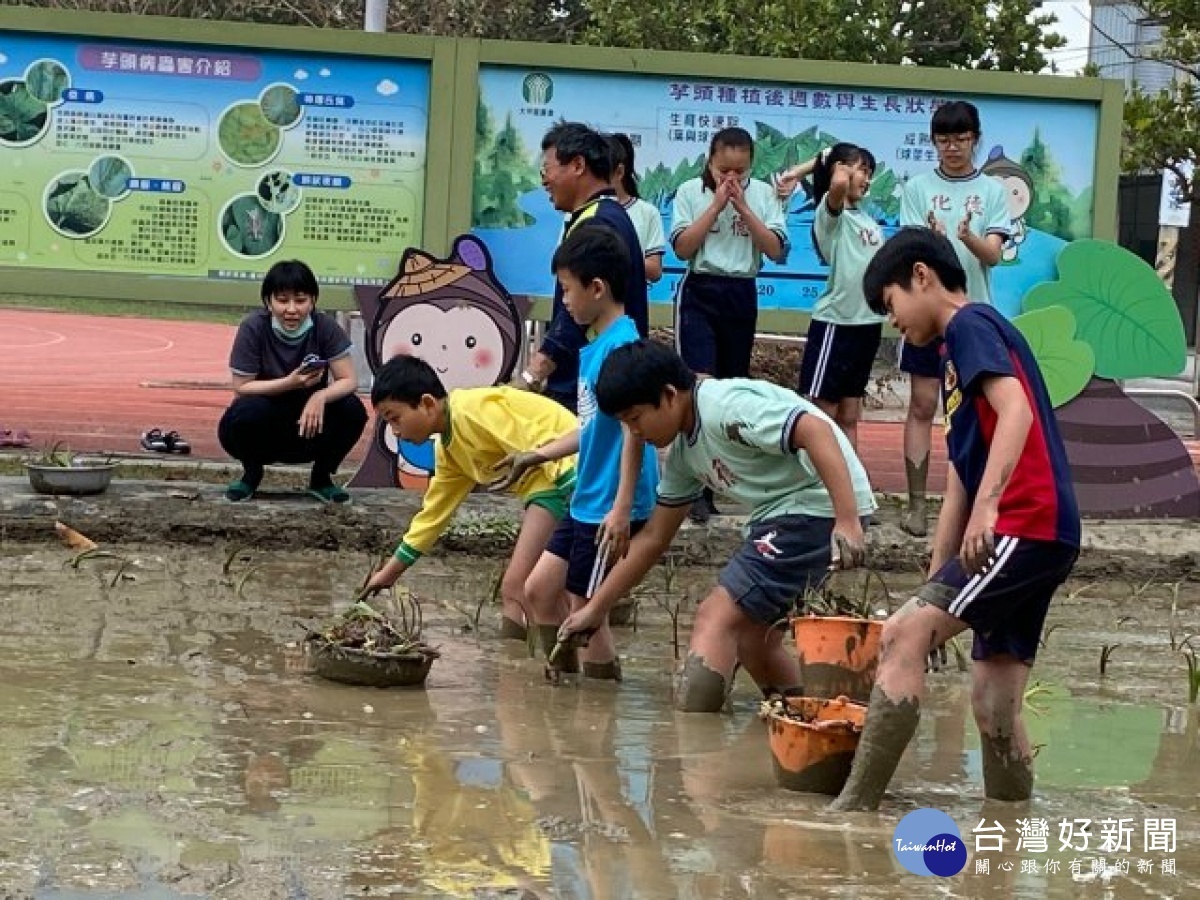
<point>1073,24</point>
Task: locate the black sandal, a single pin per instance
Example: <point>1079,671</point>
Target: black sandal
<point>155,440</point>
<point>176,443</point>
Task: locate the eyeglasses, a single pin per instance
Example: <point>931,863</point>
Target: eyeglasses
<point>953,140</point>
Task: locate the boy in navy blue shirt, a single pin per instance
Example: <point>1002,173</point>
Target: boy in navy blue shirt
<point>616,476</point>
<point>1008,534</point>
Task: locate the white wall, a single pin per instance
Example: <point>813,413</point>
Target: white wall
<point>1124,24</point>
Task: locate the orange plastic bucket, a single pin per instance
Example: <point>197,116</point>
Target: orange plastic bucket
<point>813,743</point>
<point>838,655</point>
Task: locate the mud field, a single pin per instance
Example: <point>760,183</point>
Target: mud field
<point>163,740</point>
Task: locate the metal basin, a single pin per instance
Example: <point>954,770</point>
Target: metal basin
<point>77,480</point>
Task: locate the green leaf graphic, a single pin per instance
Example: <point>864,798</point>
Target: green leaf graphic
<point>47,80</point>
<point>109,176</point>
<point>74,208</point>
<point>1067,364</point>
<point>281,105</point>
<point>22,116</point>
<point>1121,308</point>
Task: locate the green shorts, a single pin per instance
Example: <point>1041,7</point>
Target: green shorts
<point>556,501</point>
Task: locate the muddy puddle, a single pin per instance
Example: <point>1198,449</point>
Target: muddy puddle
<point>162,740</point>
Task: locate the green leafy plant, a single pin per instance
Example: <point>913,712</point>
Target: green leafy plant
<point>74,207</point>
<point>22,116</point>
<point>57,454</point>
<point>1067,364</point>
<point>246,136</point>
<point>281,105</point>
<point>109,176</point>
<point>1123,310</point>
<point>46,80</point>
<point>249,228</point>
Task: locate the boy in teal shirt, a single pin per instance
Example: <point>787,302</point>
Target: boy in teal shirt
<point>766,447</point>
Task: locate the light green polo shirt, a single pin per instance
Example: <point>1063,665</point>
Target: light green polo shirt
<point>949,199</point>
<point>647,222</point>
<point>848,240</point>
<point>728,248</point>
<point>741,447</point>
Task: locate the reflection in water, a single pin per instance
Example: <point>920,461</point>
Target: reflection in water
<point>163,740</point>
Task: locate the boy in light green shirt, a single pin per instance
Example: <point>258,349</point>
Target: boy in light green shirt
<point>766,447</point>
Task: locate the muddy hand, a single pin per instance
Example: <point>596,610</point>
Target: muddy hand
<point>937,659</point>
<point>848,551</point>
<point>517,465</point>
<point>572,639</point>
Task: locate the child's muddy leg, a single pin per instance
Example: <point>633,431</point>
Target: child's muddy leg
<point>712,654</point>
<point>997,693</point>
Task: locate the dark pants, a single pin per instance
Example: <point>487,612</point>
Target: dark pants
<point>715,319</point>
<point>258,431</point>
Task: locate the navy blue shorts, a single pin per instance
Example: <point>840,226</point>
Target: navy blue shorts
<point>838,359</point>
<point>1006,605</point>
<point>781,559</point>
<point>715,320</point>
<point>575,542</point>
<point>924,362</point>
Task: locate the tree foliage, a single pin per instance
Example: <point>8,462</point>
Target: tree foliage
<point>531,20</point>
<point>1009,35</point>
<point>1162,130</point>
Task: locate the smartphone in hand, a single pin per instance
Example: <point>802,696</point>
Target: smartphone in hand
<point>313,363</point>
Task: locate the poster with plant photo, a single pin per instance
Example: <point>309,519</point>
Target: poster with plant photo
<point>193,161</point>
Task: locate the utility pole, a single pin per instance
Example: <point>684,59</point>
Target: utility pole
<point>375,15</point>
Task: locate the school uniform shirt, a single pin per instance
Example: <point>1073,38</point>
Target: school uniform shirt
<point>848,241</point>
<point>564,338</point>
<point>1039,500</point>
<point>741,447</point>
<point>484,425</point>
<point>949,198</point>
<point>728,248</point>
<point>259,353</point>
<point>647,222</point>
<point>601,437</point>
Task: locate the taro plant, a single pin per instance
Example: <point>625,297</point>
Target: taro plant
<point>827,600</point>
<point>1178,642</point>
<point>1193,666</point>
<point>1107,650</point>
<point>397,632</point>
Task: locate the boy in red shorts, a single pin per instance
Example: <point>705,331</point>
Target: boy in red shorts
<point>1008,534</point>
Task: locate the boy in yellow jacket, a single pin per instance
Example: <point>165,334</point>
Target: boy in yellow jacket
<point>476,429</point>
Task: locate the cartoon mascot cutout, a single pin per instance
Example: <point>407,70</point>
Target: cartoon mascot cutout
<point>457,316</point>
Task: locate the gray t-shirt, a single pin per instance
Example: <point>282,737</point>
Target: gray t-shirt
<point>741,447</point>
<point>259,353</point>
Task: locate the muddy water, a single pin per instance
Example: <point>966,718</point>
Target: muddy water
<point>162,740</point>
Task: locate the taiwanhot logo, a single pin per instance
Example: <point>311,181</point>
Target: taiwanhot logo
<point>927,842</point>
<point>537,88</point>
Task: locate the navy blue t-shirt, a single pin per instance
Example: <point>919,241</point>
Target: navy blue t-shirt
<point>260,353</point>
<point>1039,500</point>
<point>564,338</point>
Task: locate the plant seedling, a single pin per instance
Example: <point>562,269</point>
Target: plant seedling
<point>1193,664</point>
<point>1106,653</point>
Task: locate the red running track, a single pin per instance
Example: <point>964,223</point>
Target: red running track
<point>90,381</point>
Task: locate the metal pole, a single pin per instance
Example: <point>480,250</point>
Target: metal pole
<point>375,15</point>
